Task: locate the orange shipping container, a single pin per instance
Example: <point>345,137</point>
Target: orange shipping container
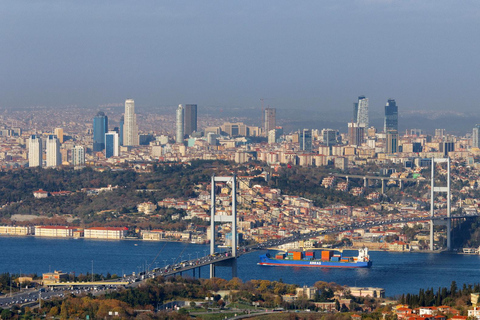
<point>326,255</point>
<point>297,256</point>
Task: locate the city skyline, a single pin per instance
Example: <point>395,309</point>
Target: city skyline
<point>413,57</point>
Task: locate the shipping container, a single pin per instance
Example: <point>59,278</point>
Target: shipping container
<point>297,256</point>
<point>326,255</point>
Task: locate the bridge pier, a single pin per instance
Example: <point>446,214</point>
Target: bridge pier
<point>400,184</point>
<point>212,270</point>
<point>365,182</point>
<point>383,186</point>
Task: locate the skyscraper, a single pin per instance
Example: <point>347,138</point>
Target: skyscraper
<point>111,144</point>
<point>130,129</point>
<point>78,156</point>
<point>476,136</point>
<point>54,158</point>
<point>392,142</point>
<point>100,127</point>
<point>362,114</point>
<point>180,130</point>
<point>270,119</point>
<point>35,151</point>
<point>306,140</point>
<point>391,116</point>
<point>190,118</point>
<point>356,134</point>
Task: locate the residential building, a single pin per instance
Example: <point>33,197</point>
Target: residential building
<point>179,129</point>
<point>356,134</point>
<point>100,127</point>
<point>130,128</point>
<point>35,151</point>
<point>59,133</point>
<point>391,116</point>
<point>54,158</point>
<point>120,130</point>
<point>111,144</point>
<point>78,156</point>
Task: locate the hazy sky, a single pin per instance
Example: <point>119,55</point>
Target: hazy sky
<point>296,54</point>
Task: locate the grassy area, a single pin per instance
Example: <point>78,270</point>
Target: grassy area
<point>287,316</point>
<point>241,305</point>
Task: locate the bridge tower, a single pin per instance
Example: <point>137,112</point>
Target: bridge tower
<point>224,218</point>
<point>433,190</point>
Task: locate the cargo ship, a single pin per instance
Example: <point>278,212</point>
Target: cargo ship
<point>317,258</point>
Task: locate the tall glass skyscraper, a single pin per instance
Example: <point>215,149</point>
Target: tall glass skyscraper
<point>391,116</point>
<point>120,131</point>
<point>190,118</point>
<point>362,113</point>
<point>306,140</point>
<point>100,127</point>
<point>130,129</point>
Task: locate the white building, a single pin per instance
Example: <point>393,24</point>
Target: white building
<point>180,129</point>
<point>54,231</point>
<point>54,157</point>
<point>78,156</point>
<point>35,151</point>
<point>112,145</point>
<point>108,233</point>
<point>130,128</point>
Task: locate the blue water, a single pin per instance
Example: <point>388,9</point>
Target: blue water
<point>396,272</point>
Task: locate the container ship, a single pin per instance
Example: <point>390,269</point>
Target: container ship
<point>317,258</point>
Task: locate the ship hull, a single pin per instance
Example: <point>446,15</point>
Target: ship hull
<point>266,261</point>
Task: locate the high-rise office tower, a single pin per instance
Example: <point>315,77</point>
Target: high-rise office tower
<point>35,151</point>
<point>54,158</point>
<point>476,136</point>
<point>329,137</point>
<point>100,127</point>
<point>355,112</point>
<point>306,140</point>
<point>130,128</point>
<point>270,119</point>
<point>392,142</point>
<point>111,144</point>
<point>59,133</point>
<point>391,116</point>
<point>78,156</point>
<point>190,118</point>
<point>180,130</point>
<point>120,131</point>
<point>362,114</point>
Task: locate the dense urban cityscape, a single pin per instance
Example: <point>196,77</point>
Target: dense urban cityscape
<point>359,188</point>
<point>240,160</point>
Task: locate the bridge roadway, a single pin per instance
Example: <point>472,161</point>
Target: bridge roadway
<point>356,176</point>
